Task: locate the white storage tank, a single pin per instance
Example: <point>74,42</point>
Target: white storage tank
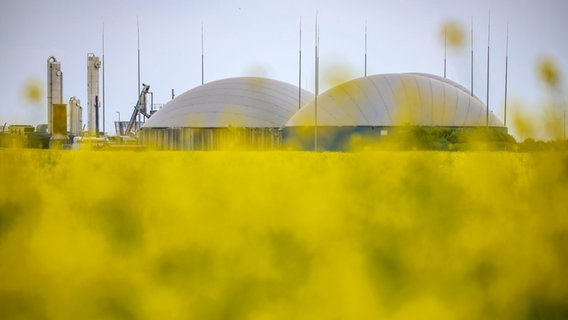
<point>75,116</point>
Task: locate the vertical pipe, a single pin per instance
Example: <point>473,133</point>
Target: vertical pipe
<point>506,76</point>
<point>96,116</point>
<point>488,45</point>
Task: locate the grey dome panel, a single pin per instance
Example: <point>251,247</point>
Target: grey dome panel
<point>236,102</point>
<point>396,99</point>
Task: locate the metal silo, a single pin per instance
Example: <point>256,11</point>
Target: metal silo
<point>75,116</point>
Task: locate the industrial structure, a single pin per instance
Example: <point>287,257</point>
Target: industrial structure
<point>64,121</point>
<point>54,89</point>
<point>139,109</point>
<point>373,106</point>
<point>93,66</point>
<point>263,114</point>
<point>75,116</point>
<point>243,112</point>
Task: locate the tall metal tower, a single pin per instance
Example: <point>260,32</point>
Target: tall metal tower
<point>54,89</point>
<point>93,66</point>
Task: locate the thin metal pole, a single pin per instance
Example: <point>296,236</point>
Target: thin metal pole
<point>316,85</point>
<point>138,32</point>
<point>138,29</point>
<point>488,45</point>
<point>365,48</point>
<point>445,48</point>
<point>506,76</point>
<point>300,68</point>
<point>104,67</point>
<point>202,58</point>
<point>472,56</point>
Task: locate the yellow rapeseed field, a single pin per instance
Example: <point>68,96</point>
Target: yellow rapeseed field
<point>283,235</point>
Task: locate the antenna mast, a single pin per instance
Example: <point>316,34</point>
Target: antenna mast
<point>445,47</point>
<point>300,68</point>
<point>202,57</point>
<point>104,67</point>
<point>472,56</point>
<point>365,48</point>
<point>316,84</point>
<point>506,75</point>
<point>488,44</point>
<point>138,30</point>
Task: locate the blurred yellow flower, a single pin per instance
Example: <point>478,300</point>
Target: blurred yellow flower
<point>273,235</point>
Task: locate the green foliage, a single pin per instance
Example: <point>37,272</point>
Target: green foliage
<point>531,145</point>
<point>443,139</point>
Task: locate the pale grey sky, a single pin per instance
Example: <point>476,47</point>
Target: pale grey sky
<point>261,38</point>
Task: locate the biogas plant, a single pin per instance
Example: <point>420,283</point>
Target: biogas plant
<point>268,114</point>
<point>265,114</point>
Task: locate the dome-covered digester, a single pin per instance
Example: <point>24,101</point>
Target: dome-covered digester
<point>371,107</point>
<point>246,111</point>
<point>388,100</point>
<point>238,102</point>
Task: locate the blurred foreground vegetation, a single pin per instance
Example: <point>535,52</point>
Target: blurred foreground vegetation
<point>283,235</point>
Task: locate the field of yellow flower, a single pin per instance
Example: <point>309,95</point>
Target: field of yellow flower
<point>283,235</point>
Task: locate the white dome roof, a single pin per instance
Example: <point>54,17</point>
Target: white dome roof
<point>396,99</point>
<point>237,102</point>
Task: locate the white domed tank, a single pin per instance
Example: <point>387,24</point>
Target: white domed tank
<point>225,111</point>
<point>376,104</point>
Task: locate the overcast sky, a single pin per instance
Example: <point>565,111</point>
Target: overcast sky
<point>261,38</point>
